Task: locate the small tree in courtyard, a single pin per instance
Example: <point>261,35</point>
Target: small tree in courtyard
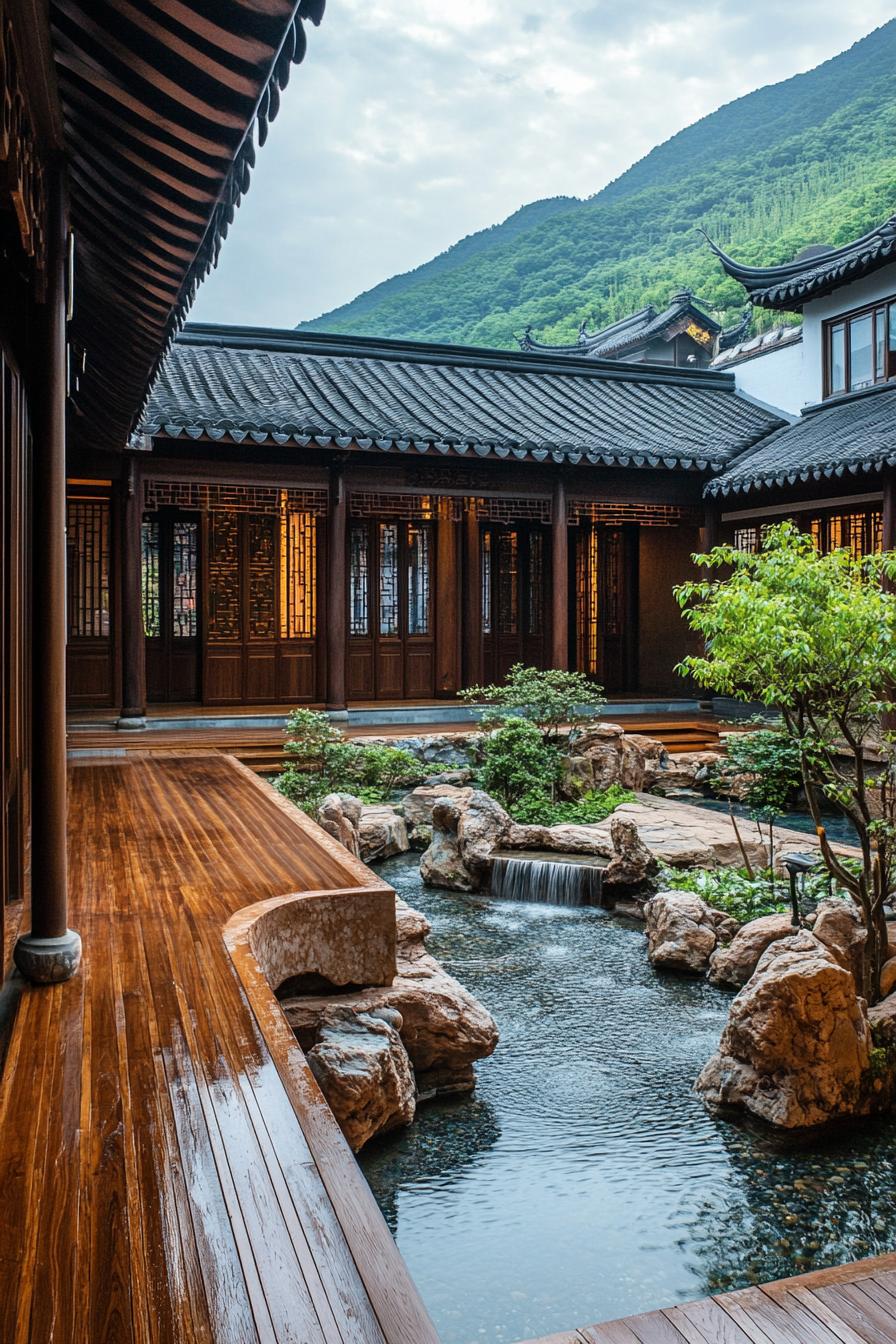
<point>815,638</point>
<point>553,699</point>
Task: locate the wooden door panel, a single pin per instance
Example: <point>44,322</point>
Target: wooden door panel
<point>261,675</point>
<point>223,675</point>
<point>389,670</point>
<point>297,673</point>
<point>420,671</point>
<point>360,683</point>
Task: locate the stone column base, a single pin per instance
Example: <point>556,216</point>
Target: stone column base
<point>48,961</point>
<point>130,722</point>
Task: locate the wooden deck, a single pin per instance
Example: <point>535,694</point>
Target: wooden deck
<point>166,1177</point>
<point>851,1304</point>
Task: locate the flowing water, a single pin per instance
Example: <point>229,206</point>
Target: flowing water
<point>549,881</point>
<point>584,1180</point>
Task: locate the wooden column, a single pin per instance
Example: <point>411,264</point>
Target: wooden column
<point>559,580</point>
<point>133,641</point>
<point>337,592</point>
<point>888,520</point>
<point>51,951</point>
<point>472,599</point>
<point>709,533</point>
<point>445,600</point>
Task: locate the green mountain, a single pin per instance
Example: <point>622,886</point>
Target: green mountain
<point>810,160</point>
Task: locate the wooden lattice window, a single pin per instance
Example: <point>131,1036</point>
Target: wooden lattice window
<point>418,579</point>
<point>535,594</point>
<point>298,575</point>
<point>388,575</point>
<point>486,578</point>
<point>87,543</point>
<point>359,580</point>
<point>588,601</point>
<point>508,583</point>
<point>746,539</point>
<point>184,564</point>
<point>224,624</point>
<point>149,573</point>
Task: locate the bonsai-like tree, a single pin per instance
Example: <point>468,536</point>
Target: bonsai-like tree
<point>553,699</point>
<point>815,638</point>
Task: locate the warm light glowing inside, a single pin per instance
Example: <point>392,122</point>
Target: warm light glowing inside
<point>298,573</point>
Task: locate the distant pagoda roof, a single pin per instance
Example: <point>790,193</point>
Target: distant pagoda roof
<point>815,271</point>
<point>630,332</point>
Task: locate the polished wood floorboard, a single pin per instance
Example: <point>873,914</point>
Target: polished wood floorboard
<point>848,1304</point>
<point>160,1184</point>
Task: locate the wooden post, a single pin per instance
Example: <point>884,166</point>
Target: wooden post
<point>133,642</point>
<point>337,592</point>
<point>559,579</point>
<point>709,533</point>
<point>447,616</point>
<point>472,599</point>
<point>888,520</point>
<point>51,951</point>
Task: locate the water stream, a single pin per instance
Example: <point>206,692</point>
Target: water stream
<point>584,1180</point>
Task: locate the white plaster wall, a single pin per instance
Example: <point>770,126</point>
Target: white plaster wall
<point>777,378</point>
<point>880,285</point>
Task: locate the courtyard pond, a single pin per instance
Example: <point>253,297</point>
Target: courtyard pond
<point>584,1180</point>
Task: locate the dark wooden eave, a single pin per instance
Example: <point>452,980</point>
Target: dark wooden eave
<point>160,101</point>
<point>794,283</point>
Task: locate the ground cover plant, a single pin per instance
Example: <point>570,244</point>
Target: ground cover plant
<point>741,893</point>
<point>323,761</point>
<point>814,636</point>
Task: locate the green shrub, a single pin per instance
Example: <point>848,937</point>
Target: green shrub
<point>323,761</point>
<point>740,895</point>
<point>537,808</point>
<point>551,699</point>
<point>773,759</point>
<point>516,760</point>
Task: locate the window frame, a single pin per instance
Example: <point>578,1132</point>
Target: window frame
<point>886,306</point>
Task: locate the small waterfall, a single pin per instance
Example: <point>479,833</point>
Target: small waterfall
<point>546,881</point>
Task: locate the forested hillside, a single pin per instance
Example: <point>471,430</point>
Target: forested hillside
<point>812,159</point>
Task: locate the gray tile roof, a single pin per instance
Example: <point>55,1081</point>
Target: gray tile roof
<point>246,384</point>
<point>816,271</point>
<point>627,332</point>
<point>848,437</point>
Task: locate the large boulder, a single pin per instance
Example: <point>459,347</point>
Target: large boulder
<point>796,1050</point>
<point>418,805</point>
<point>733,965</point>
<point>632,864</point>
<point>382,833</point>
<point>838,924</point>
<point>882,1019</point>
<point>364,1072</point>
<point>466,831</point>
<point>443,1027</point>
<point>686,769</point>
<point>340,816</point>
<point>603,754</point>
<point>682,931</point>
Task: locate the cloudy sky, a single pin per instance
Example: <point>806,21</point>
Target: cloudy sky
<point>414,122</point>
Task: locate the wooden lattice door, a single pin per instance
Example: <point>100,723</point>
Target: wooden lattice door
<point>171,548</point>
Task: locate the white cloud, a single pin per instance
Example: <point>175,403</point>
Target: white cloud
<point>414,122</point>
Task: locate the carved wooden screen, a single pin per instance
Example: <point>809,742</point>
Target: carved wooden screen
<point>606,591</point>
<point>391,618</point>
<point>224,615</point>
<point>88,595</point>
<point>513,579</point>
<point>298,575</point>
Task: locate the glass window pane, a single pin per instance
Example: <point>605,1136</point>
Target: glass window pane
<point>149,546</point>
<point>359,581</point>
<point>860,366</point>
<point>185,553</point>
<point>486,567</point>
<point>536,583</point>
<point>418,580</point>
<point>388,578</point>
<point>838,359</point>
<point>891,343</point>
<point>298,575</point>
<point>880,344</point>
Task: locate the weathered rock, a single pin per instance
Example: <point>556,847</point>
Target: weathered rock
<point>838,925</point>
<point>888,977</point>
<point>444,1028</point>
<point>448,749</point>
<point>796,1048</point>
<point>654,759</point>
<point>482,828</point>
<point>417,805</point>
<point>340,816</point>
<point>882,1018</point>
<point>733,965</point>
<point>382,833</point>
<point>681,932</point>
<point>632,864</point>
<point>687,768</point>
<point>467,829</point>
<point>603,754</point>
<point>364,1072</point>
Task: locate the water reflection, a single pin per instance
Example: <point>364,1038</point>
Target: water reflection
<point>585,1180</point>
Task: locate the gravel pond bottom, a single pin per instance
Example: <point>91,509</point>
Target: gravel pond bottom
<point>584,1180</point>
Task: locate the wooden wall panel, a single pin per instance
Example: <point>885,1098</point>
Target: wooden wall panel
<point>223,675</point>
<point>296,675</point>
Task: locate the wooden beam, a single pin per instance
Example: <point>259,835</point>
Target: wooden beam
<point>559,579</point>
<point>51,951</point>
<point>133,641</point>
<point>337,591</point>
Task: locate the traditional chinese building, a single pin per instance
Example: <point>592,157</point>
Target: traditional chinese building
<point>830,468</point>
<point>682,334</point>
